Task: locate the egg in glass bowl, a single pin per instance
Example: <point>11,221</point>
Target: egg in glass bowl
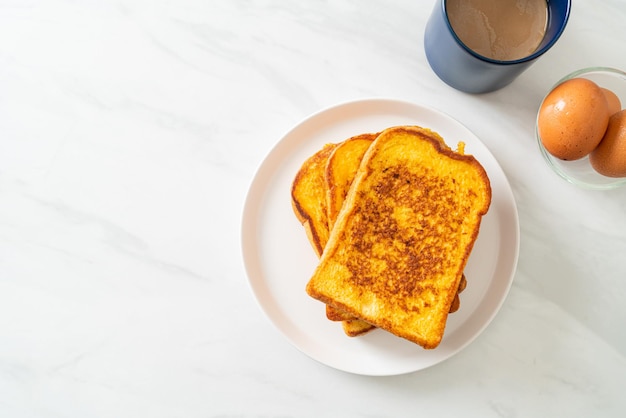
<point>581,128</point>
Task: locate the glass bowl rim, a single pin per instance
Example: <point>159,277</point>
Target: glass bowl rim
<point>550,160</point>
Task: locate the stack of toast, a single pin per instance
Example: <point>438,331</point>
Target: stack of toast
<point>393,217</point>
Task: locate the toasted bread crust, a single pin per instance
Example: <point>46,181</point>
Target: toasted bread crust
<point>456,303</point>
<point>341,169</point>
<point>396,254</point>
<point>308,198</point>
<point>355,327</point>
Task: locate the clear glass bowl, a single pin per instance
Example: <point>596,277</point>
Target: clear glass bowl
<point>580,172</point>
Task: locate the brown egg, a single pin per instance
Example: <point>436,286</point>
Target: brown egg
<point>615,105</point>
<point>609,158</point>
<point>573,118</point>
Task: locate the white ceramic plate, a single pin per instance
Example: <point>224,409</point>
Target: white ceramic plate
<point>279,259</point>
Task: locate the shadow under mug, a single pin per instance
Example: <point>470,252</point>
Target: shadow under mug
<point>465,70</point>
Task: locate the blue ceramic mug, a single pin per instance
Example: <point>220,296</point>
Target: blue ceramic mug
<point>462,68</point>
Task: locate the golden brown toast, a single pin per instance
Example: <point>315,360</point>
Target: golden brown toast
<point>353,327</point>
<point>341,169</point>
<point>337,315</point>
<point>397,251</point>
<point>308,198</point>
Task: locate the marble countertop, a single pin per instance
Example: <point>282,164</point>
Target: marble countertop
<point>130,132</point>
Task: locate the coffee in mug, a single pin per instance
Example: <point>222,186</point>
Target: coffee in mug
<point>478,46</point>
<point>503,30</point>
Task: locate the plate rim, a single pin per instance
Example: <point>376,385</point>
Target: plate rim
<point>251,199</point>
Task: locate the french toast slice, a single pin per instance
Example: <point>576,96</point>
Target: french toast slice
<point>341,169</point>
<point>308,197</point>
<point>396,254</point>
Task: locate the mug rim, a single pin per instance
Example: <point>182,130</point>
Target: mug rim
<point>528,58</point>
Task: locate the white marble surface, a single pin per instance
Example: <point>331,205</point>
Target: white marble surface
<point>129,134</point>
